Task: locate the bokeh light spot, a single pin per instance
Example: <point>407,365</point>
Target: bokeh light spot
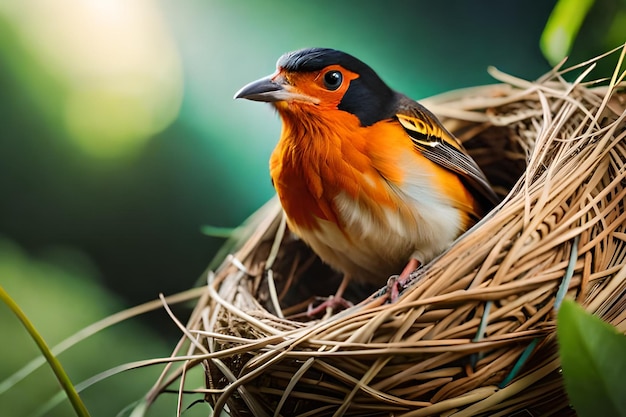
<point>114,65</point>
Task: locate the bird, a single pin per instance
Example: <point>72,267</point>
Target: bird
<point>367,177</point>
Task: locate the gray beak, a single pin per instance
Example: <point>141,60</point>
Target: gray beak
<point>263,90</point>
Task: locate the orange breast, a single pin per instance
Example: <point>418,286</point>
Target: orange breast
<point>320,156</point>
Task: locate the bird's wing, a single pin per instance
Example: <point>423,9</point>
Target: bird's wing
<point>440,146</point>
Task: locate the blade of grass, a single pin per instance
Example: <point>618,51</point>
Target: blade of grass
<point>12,380</point>
<point>54,363</point>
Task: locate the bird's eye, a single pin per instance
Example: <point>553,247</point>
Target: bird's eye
<point>333,80</point>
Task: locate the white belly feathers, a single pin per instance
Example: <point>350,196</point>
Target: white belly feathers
<point>382,246</point>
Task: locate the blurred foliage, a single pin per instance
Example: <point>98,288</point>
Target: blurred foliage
<point>60,292</point>
<point>584,29</point>
<point>593,360</point>
<point>562,28</point>
<point>120,140</point>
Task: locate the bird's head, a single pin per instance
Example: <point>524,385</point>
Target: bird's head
<point>322,79</point>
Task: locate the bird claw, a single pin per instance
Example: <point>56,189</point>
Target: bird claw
<point>396,284</point>
<point>328,305</point>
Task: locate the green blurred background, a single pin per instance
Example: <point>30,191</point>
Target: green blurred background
<point>120,140</point>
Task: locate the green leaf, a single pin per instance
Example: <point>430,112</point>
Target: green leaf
<point>593,357</point>
<point>562,28</point>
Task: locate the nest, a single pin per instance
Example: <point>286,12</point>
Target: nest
<point>474,333</point>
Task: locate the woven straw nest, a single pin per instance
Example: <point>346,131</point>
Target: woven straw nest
<point>474,334</point>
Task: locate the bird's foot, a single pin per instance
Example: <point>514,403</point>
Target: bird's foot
<point>398,283</point>
<point>328,305</point>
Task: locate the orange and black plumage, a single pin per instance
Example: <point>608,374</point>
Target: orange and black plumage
<point>367,177</point>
